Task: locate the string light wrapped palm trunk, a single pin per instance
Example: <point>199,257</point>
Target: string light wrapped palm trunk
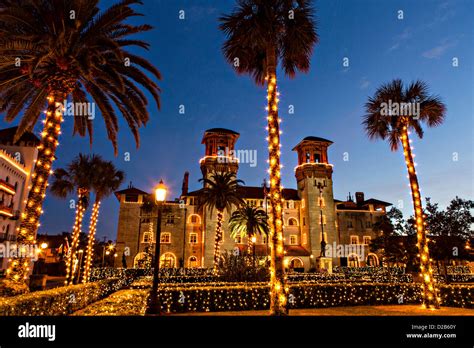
<point>18,267</point>
<point>218,240</point>
<point>90,241</point>
<point>76,231</point>
<point>278,291</point>
<point>430,293</point>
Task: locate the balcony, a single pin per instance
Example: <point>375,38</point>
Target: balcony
<point>7,187</point>
<point>6,210</point>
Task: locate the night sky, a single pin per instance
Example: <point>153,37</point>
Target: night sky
<point>328,102</point>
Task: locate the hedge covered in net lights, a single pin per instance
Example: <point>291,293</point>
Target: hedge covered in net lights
<point>60,301</point>
<point>255,297</point>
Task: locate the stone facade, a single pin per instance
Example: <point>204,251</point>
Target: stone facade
<point>311,214</point>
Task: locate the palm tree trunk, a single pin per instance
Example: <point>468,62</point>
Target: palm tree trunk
<point>90,241</point>
<point>430,296</point>
<point>278,291</point>
<point>18,268</point>
<point>218,239</point>
<point>76,231</point>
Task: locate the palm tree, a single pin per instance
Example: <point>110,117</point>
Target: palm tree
<point>106,179</point>
<point>260,33</point>
<point>219,192</point>
<point>391,114</point>
<point>77,177</point>
<point>248,221</point>
<point>52,51</point>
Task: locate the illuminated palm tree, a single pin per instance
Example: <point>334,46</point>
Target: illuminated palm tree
<point>220,192</point>
<point>77,177</point>
<point>248,221</point>
<point>391,114</point>
<point>53,51</point>
<point>106,179</point>
<point>261,33</point>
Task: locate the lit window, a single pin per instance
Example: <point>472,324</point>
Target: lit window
<point>367,240</point>
<point>305,238</point>
<point>192,263</point>
<point>170,219</point>
<point>264,239</point>
<point>321,202</point>
<point>195,219</point>
<point>302,203</point>
<point>324,219</point>
<point>292,222</point>
<point>354,240</point>
<point>166,237</point>
<point>193,238</point>
<point>238,240</point>
<point>293,239</point>
<point>147,237</point>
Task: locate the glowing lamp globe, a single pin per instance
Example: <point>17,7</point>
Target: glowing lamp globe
<point>160,192</point>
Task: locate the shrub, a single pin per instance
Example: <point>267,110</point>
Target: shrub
<point>256,296</point>
<point>240,268</point>
<point>60,301</point>
<point>11,288</point>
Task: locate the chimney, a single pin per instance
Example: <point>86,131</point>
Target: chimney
<point>184,188</point>
<point>360,198</point>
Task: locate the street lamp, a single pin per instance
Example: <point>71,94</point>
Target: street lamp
<point>44,245</point>
<point>154,306</point>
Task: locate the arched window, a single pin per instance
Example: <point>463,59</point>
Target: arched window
<point>7,179</point>
<point>167,260</point>
<point>194,219</point>
<point>142,260</point>
<point>292,222</point>
<point>296,263</point>
<point>372,260</point>
<point>353,260</point>
<point>192,262</point>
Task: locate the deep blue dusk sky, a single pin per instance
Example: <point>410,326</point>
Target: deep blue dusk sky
<point>328,101</point>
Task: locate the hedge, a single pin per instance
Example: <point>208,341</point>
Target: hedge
<point>60,301</point>
<point>256,297</point>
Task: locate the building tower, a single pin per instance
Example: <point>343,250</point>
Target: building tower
<point>314,183</point>
<point>219,155</point>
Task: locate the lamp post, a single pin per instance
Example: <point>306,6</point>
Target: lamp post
<point>154,306</point>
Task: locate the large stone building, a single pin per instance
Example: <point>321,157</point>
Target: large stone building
<point>310,214</point>
<point>17,161</point>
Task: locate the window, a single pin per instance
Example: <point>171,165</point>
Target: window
<point>131,198</point>
<point>264,239</point>
<point>170,219</point>
<point>195,219</point>
<point>292,222</point>
<point>307,157</point>
<point>349,224</point>
<point>325,236</point>
<point>367,240</point>
<point>167,260</point>
<point>304,222</point>
<point>305,238</point>
<point>321,202</point>
<point>147,237</point>
<point>354,240</point>
<point>323,218</point>
<point>238,239</point>
<point>166,238</point>
<point>192,262</point>
<point>368,224</point>
<point>316,158</point>
<point>293,239</point>
<point>302,203</point>
<point>193,238</point>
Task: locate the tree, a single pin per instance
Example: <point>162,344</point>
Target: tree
<point>391,113</point>
<point>220,192</point>
<point>105,180</point>
<point>77,177</point>
<point>260,34</point>
<point>52,52</point>
<point>248,221</point>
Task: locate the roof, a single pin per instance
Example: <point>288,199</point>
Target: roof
<point>311,139</point>
<point>296,250</point>
<point>130,191</point>
<point>351,205</point>
<point>219,131</point>
<point>377,202</point>
<point>256,192</point>
<point>7,135</point>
